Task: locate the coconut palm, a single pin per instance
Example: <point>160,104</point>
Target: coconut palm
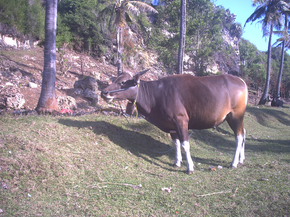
<point>267,13</point>
<point>47,101</point>
<point>284,40</point>
<point>123,9</point>
<point>182,36</point>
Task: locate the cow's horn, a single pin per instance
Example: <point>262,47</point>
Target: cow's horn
<point>144,71</point>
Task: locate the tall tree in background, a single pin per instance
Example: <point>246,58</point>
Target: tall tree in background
<point>182,33</point>
<point>47,101</point>
<point>285,10</point>
<point>122,9</point>
<point>267,12</point>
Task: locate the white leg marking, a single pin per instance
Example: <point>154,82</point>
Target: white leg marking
<point>242,154</point>
<point>178,158</point>
<point>185,145</point>
<point>239,151</point>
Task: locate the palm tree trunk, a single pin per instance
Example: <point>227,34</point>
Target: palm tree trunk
<point>182,36</point>
<point>47,101</point>
<point>119,57</point>
<point>267,84</point>
<point>277,95</point>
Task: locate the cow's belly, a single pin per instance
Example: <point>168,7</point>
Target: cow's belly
<point>206,122</point>
<point>162,124</point>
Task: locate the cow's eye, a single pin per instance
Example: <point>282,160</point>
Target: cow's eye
<point>123,83</point>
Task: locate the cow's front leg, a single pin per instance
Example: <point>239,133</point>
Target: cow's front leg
<point>190,165</point>
<point>178,156</point>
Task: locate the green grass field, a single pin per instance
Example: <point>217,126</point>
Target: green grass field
<point>99,165</point>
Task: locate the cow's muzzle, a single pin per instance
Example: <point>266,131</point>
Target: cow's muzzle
<point>105,95</point>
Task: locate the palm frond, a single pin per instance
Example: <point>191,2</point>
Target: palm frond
<point>142,7</point>
<point>259,13</point>
<point>132,8</point>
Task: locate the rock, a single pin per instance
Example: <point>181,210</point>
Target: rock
<point>277,103</point>
<point>15,101</point>
<point>32,85</point>
<point>87,83</point>
<point>78,91</point>
<point>9,84</point>
<point>91,95</point>
<point>66,102</point>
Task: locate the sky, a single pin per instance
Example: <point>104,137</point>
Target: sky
<point>252,32</point>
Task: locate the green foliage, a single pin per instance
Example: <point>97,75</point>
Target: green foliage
<point>79,25</point>
<point>275,65</point>
<point>25,16</point>
<point>252,64</point>
<point>203,33</point>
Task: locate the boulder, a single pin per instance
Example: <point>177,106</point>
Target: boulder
<point>86,83</point>
<point>66,102</point>
<point>15,101</point>
<point>91,96</point>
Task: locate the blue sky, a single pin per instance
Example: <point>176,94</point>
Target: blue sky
<point>252,32</point>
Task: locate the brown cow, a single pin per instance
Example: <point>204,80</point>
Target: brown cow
<point>177,103</point>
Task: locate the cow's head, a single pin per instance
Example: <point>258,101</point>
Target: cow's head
<point>123,87</point>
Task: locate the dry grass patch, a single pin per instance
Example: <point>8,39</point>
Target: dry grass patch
<point>102,166</point>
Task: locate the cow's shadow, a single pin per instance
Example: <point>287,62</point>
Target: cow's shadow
<point>146,147</point>
<point>140,145</point>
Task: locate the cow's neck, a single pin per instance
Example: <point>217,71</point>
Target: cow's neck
<point>144,98</point>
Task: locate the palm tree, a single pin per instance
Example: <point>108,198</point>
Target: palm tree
<point>182,36</point>
<point>122,9</point>
<point>269,15</point>
<point>47,101</point>
<point>284,41</point>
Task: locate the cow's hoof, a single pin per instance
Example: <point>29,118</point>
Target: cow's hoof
<point>233,167</point>
<point>189,172</point>
<point>176,165</point>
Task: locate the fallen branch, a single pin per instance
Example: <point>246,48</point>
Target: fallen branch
<point>124,184</point>
<point>221,192</point>
<point>154,174</point>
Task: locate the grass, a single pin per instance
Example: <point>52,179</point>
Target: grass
<point>100,165</point>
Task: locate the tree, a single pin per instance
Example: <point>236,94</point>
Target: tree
<point>182,36</point>
<point>267,12</point>
<point>285,10</point>
<point>47,101</point>
<point>122,9</point>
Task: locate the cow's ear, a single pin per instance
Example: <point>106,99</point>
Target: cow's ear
<point>136,78</point>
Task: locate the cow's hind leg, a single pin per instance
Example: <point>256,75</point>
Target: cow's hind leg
<point>240,135</point>
<point>182,134</point>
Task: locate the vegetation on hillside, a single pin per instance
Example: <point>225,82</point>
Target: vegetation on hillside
<point>83,27</point>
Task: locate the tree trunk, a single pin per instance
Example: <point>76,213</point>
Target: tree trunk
<point>182,36</point>
<point>47,102</point>
<point>119,57</point>
<point>263,99</point>
<point>277,94</point>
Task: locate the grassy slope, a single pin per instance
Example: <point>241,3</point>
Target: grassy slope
<point>94,165</point>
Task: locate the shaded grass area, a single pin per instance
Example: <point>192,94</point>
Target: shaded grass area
<point>104,166</point>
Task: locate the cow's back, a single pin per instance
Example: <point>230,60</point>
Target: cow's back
<point>204,101</point>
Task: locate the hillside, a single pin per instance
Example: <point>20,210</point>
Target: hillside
<point>20,68</point>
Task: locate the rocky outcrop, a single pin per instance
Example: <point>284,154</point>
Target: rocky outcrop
<point>87,87</point>
<point>227,61</point>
